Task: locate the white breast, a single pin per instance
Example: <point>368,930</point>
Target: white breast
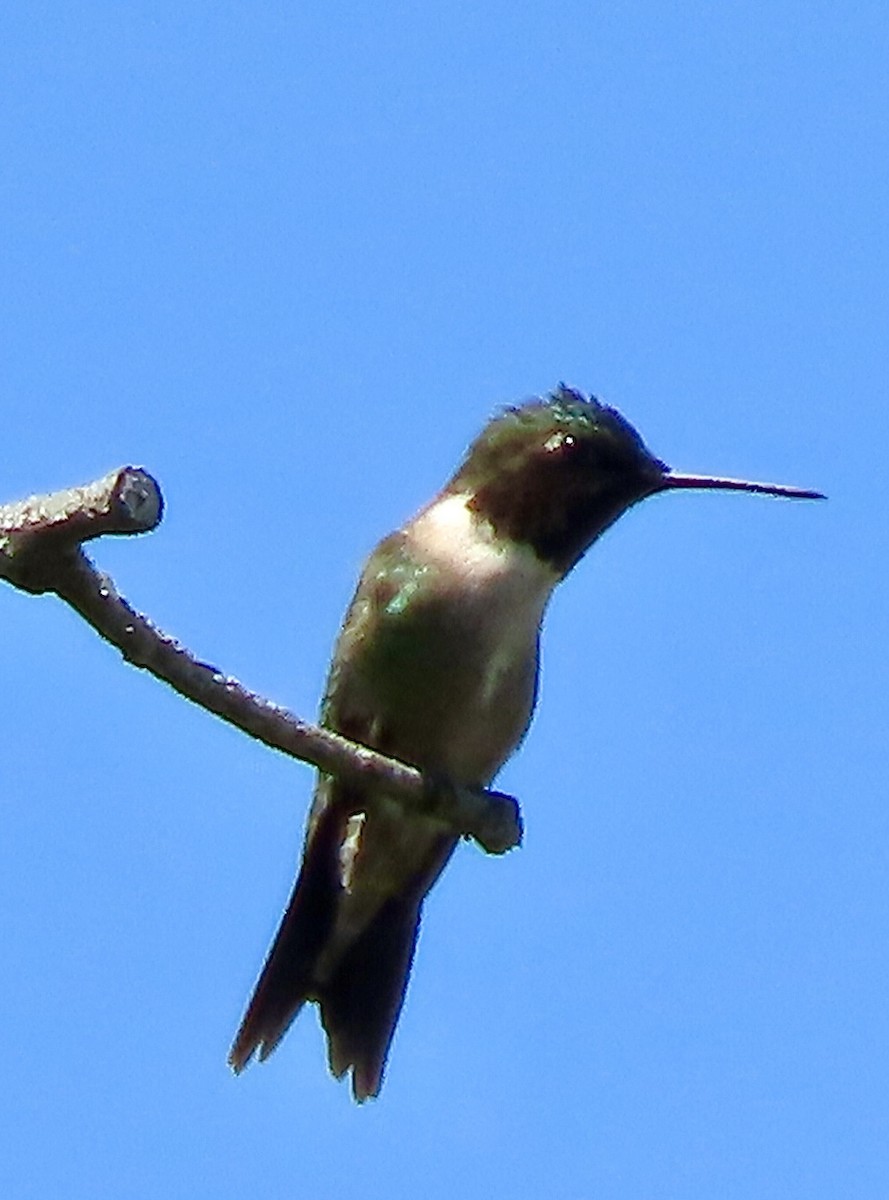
<point>505,581</point>
<point>453,537</point>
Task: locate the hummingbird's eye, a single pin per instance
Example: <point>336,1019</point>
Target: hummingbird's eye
<point>559,443</point>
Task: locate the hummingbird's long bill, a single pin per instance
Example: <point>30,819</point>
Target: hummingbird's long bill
<point>674,479</point>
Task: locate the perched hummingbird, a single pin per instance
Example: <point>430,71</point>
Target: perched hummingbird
<point>436,665</point>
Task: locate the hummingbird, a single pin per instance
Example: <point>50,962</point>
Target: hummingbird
<point>437,665</point>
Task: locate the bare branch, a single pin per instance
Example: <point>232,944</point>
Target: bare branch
<point>40,552</point>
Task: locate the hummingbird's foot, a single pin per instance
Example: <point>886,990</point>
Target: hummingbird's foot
<point>493,819</point>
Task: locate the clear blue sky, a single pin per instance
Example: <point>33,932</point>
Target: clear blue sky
<point>289,257</point>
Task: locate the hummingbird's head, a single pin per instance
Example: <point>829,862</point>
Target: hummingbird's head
<point>556,472</point>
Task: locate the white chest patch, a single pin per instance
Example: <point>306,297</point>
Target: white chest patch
<point>504,581</point>
<point>451,536</point>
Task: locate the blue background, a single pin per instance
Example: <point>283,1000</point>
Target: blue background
<point>290,258</point>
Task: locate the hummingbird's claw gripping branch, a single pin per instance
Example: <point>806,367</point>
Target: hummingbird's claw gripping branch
<point>40,551</point>
<point>494,817</point>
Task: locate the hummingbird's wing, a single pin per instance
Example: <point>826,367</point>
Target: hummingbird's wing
<point>348,934</point>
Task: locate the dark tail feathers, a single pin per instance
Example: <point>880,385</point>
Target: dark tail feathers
<point>361,1002</point>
